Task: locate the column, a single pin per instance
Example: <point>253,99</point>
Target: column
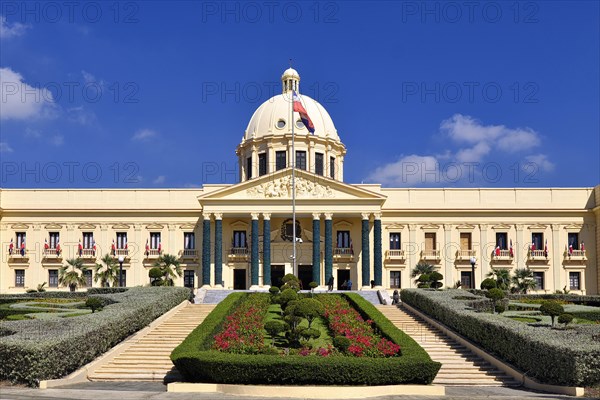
<point>519,247</point>
<point>206,249</point>
<point>316,256</point>
<point>448,258</point>
<point>218,249</point>
<point>365,254</point>
<point>254,253</point>
<point>555,259</point>
<point>266,249</point>
<point>140,243</point>
<point>414,251</point>
<point>485,254</point>
<point>328,246</point>
<point>254,162</point>
<point>377,251</point>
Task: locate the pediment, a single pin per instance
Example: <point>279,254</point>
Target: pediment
<point>343,224</point>
<point>19,226</point>
<point>120,226</point>
<point>574,227</point>
<point>465,227</point>
<point>52,226</point>
<point>502,227</point>
<point>430,227</point>
<point>397,227</point>
<point>239,224</point>
<point>187,226</point>
<point>538,226</point>
<point>278,186</point>
<point>87,226</point>
<point>154,227</point>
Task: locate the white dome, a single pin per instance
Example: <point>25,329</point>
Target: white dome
<point>273,118</point>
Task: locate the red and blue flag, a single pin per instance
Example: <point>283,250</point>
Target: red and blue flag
<point>299,108</point>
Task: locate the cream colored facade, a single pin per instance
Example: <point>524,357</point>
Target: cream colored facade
<point>241,232</point>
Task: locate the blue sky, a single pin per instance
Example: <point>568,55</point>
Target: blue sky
<point>158,94</point>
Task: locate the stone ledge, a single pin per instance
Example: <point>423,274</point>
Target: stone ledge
<point>308,392</point>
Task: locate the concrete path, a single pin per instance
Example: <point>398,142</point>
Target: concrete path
<point>460,367</point>
<point>147,358</point>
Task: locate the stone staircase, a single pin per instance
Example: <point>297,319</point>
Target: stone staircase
<point>147,358</point>
<point>460,367</point>
<point>216,296</point>
<point>370,295</point>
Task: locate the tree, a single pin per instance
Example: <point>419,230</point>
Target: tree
<point>309,309</point>
<point>435,278</point>
<point>502,277</point>
<point>290,281</point>
<point>423,281</point>
<point>71,275</point>
<point>170,267</point>
<point>565,319</point>
<point>523,280</point>
<point>420,269</point>
<point>496,295</point>
<point>551,308</point>
<point>488,283</point>
<point>286,297</point>
<point>107,272</point>
<point>156,276</point>
<point>274,328</point>
<point>94,303</point>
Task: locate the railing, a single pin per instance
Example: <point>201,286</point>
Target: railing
<point>343,252</point>
<point>16,253</point>
<point>466,254</point>
<point>122,252</point>
<point>189,253</point>
<point>395,254</point>
<point>88,253</point>
<point>537,255</point>
<point>575,255</point>
<point>153,253</point>
<point>430,254</point>
<point>52,253</point>
<point>239,253</point>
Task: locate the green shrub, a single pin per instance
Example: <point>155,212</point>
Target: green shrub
<point>341,343</point>
<point>499,308</point>
<point>309,309</point>
<point>286,296</point>
<point>560,357</point>
<point>313,285</point>
<point>94,303</point>
<point>274,290</point>
<point>290,281</point>
<point>551,308</point>
<point>488,283</point>
<point>565,318</point>
<point>274,328</point>
<point>495,294</point>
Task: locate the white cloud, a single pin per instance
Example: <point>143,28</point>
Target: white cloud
<point>542,162</point>
<point>5,148</point>
<point>57,140</point>
<point>159,180</point>
<point>22,101</point>
<point>11,30</point>
<point>144,135</point>
<point>411,170</point>
<point>473,154</point>
<point>81,116</point>
<point>88,77</point>
<point>32,133</point>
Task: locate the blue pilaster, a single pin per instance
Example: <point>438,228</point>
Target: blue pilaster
<point>206,251</point>
<point>254,253</point>
<point>365,255</point>
<point>266,250</point>
<point>316,258</point>
<point>377,252</point>
<point>218,251</point>
<point>328,248</point>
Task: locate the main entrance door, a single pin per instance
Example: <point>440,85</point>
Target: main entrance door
<point>239,279</point>
<point>305,275</point>
<point>277,274</point>
<point>343,275</point>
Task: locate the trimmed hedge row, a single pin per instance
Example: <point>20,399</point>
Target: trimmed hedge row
<point>587,300</point>
<point>197,363</point>
<point>34,350</point>
<point>9,298</point>
<point>560,357</point>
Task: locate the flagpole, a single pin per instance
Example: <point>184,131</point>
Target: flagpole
<point>294,268</point>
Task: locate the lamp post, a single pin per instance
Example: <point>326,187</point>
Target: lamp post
<point>121,259</point>
<point>473,261</point>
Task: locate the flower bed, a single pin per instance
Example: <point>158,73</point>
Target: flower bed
<point>198,361</point>
<point>560,357</point>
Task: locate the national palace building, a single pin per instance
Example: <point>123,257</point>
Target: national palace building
<point>239,236</point>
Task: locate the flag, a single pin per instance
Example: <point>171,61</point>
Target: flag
<point>582,247</point>
<point>80,248</point>
<point>351,248</point>
<point>497,251</point>
<point>299,108</point>
<point>94,246</point>
<point>23,247</point>
<point>113,248</point>
<point>546,249</point>
<point>511,251</point>
<point>159,247</point>
<point>570,250</point>
<point>532,246</point>
<point>46,244</point>
<point>10,247</point>
<point>147,247</point>
<point>57,247</point>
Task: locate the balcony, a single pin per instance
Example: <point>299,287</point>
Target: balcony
<point>343,254</point>
<point>465,255</point>
<point>395,255</point>
<point>575,255</point>
<point>52,254</point>
<point>189,253</point>
<point>430,255</point>
<point>16,255</point>
<point>537,255</point>
<point>153,253</point>
<point>88,254</point>
<point>502,256</point>
<point>238,254</point>
<point>122,253</point>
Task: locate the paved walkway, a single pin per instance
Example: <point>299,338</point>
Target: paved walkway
<point>157,391</point>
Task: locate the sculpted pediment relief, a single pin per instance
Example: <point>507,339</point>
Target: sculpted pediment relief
<point>282,188</point>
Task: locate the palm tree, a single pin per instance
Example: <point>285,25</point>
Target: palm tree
<point>72,274</point>
<point>502,277</point>
<point>170,267</point>
<point>420,269</point>
<point>110,274</point>
<point>523,280</point>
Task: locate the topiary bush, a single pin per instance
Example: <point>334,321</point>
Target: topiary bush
<point>552,308</point>
<point>341,343</point>
<point>565,318</point>
<point>488,283</point>
<point>94,303</point>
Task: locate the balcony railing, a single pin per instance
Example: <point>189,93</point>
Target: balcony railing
<point>16,254</point>
<point>395,254</point>
<point>52,253</point>
<point>537,255</point>
<point>465,254</point>
<point>430,254</point>
<point>343,253</point>
<point>189,253</point>
<point>575,255</point>
<point>88,253</point>
<point>502,255</point>
<point>153,253</point>
<point>122,252</point>
<point>238,253</point>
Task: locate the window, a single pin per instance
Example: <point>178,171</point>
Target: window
<point>281,124</point>
<point>249,168</point>
<point>301,159</point>
<point>239,239</point>
<point>394,241</point>
<point>394,279</point>
<point>53,278</point>
<point>189,241</point>
<point>262,164</point>
<point>343,239</point>
<point>538,277</point>
<point>87,274</point>
<point>574,280</point>
<point>188,278</point>
<point>465,241</point>
<point>537,240</point>
<point>332,167</point>
<point>121,240</point>
<point>154,240</point>
<point>54,239</point>
<point>319,164</point>
<point>573,240</point>
<point>88,240</point>
<point>287,230</point>
<point>20,239</point>
<point>280,160</point>
<point>465,279</point>
<point>19,277</point>
<point>430,243</point>
<point>501,239</point>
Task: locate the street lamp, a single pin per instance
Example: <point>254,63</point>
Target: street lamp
<point>473,261</point>
<point>121,259</point>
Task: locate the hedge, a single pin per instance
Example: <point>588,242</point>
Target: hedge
<point>586,300</point>
<point>198,363</point>
<point>568,357</point>
<point>34,350</point>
